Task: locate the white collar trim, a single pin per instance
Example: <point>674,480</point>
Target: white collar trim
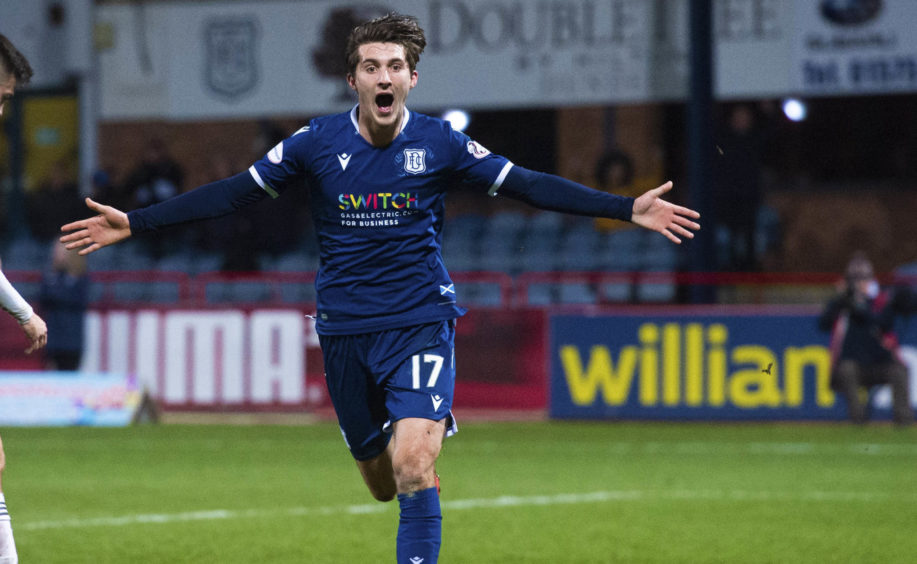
<point>356,122</point>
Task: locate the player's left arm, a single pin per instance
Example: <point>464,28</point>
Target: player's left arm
<point>550,192</point>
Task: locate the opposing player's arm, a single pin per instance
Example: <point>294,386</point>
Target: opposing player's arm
<point>32,325</point>
<point>111,225</point>
<point>550,192</point>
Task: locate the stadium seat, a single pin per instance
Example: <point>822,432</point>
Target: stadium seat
<point>300,292</point>
<point>480,294</point>
<point>576,293</point>
<point>238,291</point>
<point>26,253</point>
<point>540,294</point>
<point>294,262</point>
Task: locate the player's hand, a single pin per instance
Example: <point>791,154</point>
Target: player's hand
<point>652,212</point>
<point>37,333</point>
<point>88,235</point>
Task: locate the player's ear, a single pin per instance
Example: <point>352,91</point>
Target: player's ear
<point>413,78</point>
<point>351,82</point>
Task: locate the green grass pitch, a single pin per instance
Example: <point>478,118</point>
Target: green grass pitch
<point>546,492</point>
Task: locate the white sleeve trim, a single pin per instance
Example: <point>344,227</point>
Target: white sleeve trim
<point>12,302</point>
<point>264,186</point>
<point>500,178</point>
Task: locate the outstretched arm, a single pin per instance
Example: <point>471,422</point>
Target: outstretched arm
<point>210,200</point>
<point>550,192</point>
<point>654,213</point>
<point>110,226</point>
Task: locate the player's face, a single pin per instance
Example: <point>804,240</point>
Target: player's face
<point>7,87</point>
<point>382,81</point>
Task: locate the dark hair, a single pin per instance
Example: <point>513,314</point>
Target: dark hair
<point>13,62</point>
<point>390,28</point>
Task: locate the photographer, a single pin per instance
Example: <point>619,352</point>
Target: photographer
<point>864,348</point>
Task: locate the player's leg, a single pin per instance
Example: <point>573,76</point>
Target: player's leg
<point>7,544</point>
<point>379,475</point>
<point>360,408</point>
<point>415,446</point>
<point>419,402</point>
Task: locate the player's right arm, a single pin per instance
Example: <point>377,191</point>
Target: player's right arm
<point>211,200</point>
<point>112,225</point>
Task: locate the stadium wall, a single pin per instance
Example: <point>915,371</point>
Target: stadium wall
<point>622,362</point>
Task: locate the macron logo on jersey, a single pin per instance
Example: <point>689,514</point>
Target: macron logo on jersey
<point>344,158</point>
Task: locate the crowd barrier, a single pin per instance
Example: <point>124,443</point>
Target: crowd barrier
<point>218,342</point>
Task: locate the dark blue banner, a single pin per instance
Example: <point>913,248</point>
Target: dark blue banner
<point>678,365</point>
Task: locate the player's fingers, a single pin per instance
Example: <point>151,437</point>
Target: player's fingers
<point>681,231</point>
<point>91,248</point>
<point>94,205</point>
<point>76,240</point>
<point>75,236</point>
<point>681,220</point>
<point>660,190</point>
<point>74,225</point>
<point>687,212</point>
<point>670,236</point>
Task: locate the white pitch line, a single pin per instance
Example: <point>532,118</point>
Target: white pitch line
<point>473,503</point>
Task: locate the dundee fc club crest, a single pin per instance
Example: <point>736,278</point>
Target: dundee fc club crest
<point>415,161</point>
<point>232,64</point>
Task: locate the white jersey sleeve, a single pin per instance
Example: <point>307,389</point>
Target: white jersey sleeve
<point>12,302</point>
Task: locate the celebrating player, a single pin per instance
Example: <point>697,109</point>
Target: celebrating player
<point>386,308</point>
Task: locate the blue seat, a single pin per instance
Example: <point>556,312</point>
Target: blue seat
<point>576,293</point>
<point>26,253</point>
<point>294,262</point>
<point>541,294</point>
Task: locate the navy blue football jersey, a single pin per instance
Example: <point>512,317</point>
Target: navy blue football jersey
<point>378,214</point>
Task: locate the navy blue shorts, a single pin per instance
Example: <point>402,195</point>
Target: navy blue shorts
<point>375,379</point>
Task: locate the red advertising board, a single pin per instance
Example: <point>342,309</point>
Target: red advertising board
<point>253,359</point>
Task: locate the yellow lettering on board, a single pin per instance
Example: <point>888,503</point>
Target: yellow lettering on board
<point>694,364</point>
<point>648,334</point>
<point>795,360</point>
<point>755,386</point>
<point>717,335</point>
<point>584,385</point>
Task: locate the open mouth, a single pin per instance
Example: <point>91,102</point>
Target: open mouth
<point>384,102</point>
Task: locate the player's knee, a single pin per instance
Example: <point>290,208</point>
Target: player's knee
<point>413,471</point>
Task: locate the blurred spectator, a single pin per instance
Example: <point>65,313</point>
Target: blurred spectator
<point>156,178</point>
<point>614,173</point>
<point>738,192</point>
<point>54,202</point>
<point>106,188</point>
<point>864,348</point>
<point>64,298</point>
